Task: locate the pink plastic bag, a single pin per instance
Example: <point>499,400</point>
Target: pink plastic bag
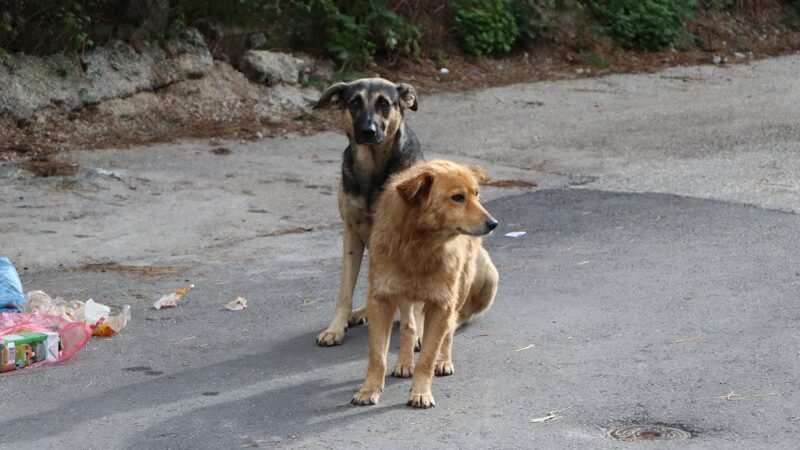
<point>74,335</point>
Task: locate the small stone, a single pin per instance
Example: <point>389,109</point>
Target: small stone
<point>739,55</point>
<point>259,135</point>
<point>444,71</point>
<point>580,71</point>
<point>717,59</point>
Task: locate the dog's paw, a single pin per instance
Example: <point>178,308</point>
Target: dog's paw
<point>357,317</point>
<point>403,370</point>
<point>366,397</point>
<point>443,368</point>
<point>330,337</point>
<point>421,400</point>
<point>417,343</point>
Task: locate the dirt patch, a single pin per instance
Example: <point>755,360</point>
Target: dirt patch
<point>135,270</point>
<point>509,183</point>
<point>44,167</point>
<point>284,231</point>
<point>222,104</point>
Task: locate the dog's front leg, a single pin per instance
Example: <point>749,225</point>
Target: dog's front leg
<point>404,367</point>
<point>439,321</point>
<point>380,314</point>
<point>444,361</point>
<point>353,252</point>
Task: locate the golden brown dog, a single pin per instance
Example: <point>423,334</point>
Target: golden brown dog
<point>425,248</point>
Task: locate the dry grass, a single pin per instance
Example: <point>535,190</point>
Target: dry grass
<point>135,270</point>
<point>513,183</point>
<point>284,231</point>
<point>45,167</point>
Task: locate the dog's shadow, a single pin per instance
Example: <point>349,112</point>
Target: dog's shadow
<point>290,408</point>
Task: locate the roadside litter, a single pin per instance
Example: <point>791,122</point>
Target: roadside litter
<point>11,298</point>
<point>36,329</point>
<point>171,300</point>
<point>237,304</point>
<point>96,316</point>
<point>33,339</point>
<point>516,234</point>
<point>550,415</point>
<point>25,349</point>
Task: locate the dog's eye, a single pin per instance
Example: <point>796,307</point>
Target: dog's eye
<point>383,103</point>
<point>355,101</point>
<point>459,198</point>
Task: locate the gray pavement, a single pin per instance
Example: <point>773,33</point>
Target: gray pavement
<point>658,282</point>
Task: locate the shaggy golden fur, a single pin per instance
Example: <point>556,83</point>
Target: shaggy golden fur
<point>425,249</point>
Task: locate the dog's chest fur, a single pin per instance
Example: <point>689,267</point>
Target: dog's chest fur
<point>404,268</point>
<point>365,168</point>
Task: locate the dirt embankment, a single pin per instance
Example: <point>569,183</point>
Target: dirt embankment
<point>223,102</point>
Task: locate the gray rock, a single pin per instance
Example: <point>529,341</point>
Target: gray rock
<point>112,71</point>
<point>189,54</point>
<point>267,67</point>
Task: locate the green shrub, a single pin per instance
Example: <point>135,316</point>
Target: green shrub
<point>352,31</point>
<point>528,17</point>
<point>485,27</point>
<point>48,26</point>
<point>643,24</point>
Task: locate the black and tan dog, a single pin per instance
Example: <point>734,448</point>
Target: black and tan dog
<point>381,144</point>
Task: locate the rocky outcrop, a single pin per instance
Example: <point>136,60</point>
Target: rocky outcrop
<point>29,83</point>
<point>263,66</point>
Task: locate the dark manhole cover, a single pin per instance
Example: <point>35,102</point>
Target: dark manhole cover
<point>640,433</point>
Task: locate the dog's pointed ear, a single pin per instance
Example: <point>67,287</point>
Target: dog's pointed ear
<point>331,97</point>
<point>416,188</point>
<point>408,96</point>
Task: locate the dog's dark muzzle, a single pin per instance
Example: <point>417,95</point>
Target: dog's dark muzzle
<point>368,133</point>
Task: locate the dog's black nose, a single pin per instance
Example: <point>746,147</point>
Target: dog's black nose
<point>369,131</point>
<point>491,224</point>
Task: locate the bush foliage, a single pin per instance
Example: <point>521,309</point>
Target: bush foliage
<point>351,31</point>
<point>485,27</point>
<point>643,24</point>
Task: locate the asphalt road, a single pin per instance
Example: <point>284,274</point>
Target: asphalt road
<point>674,303</point>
